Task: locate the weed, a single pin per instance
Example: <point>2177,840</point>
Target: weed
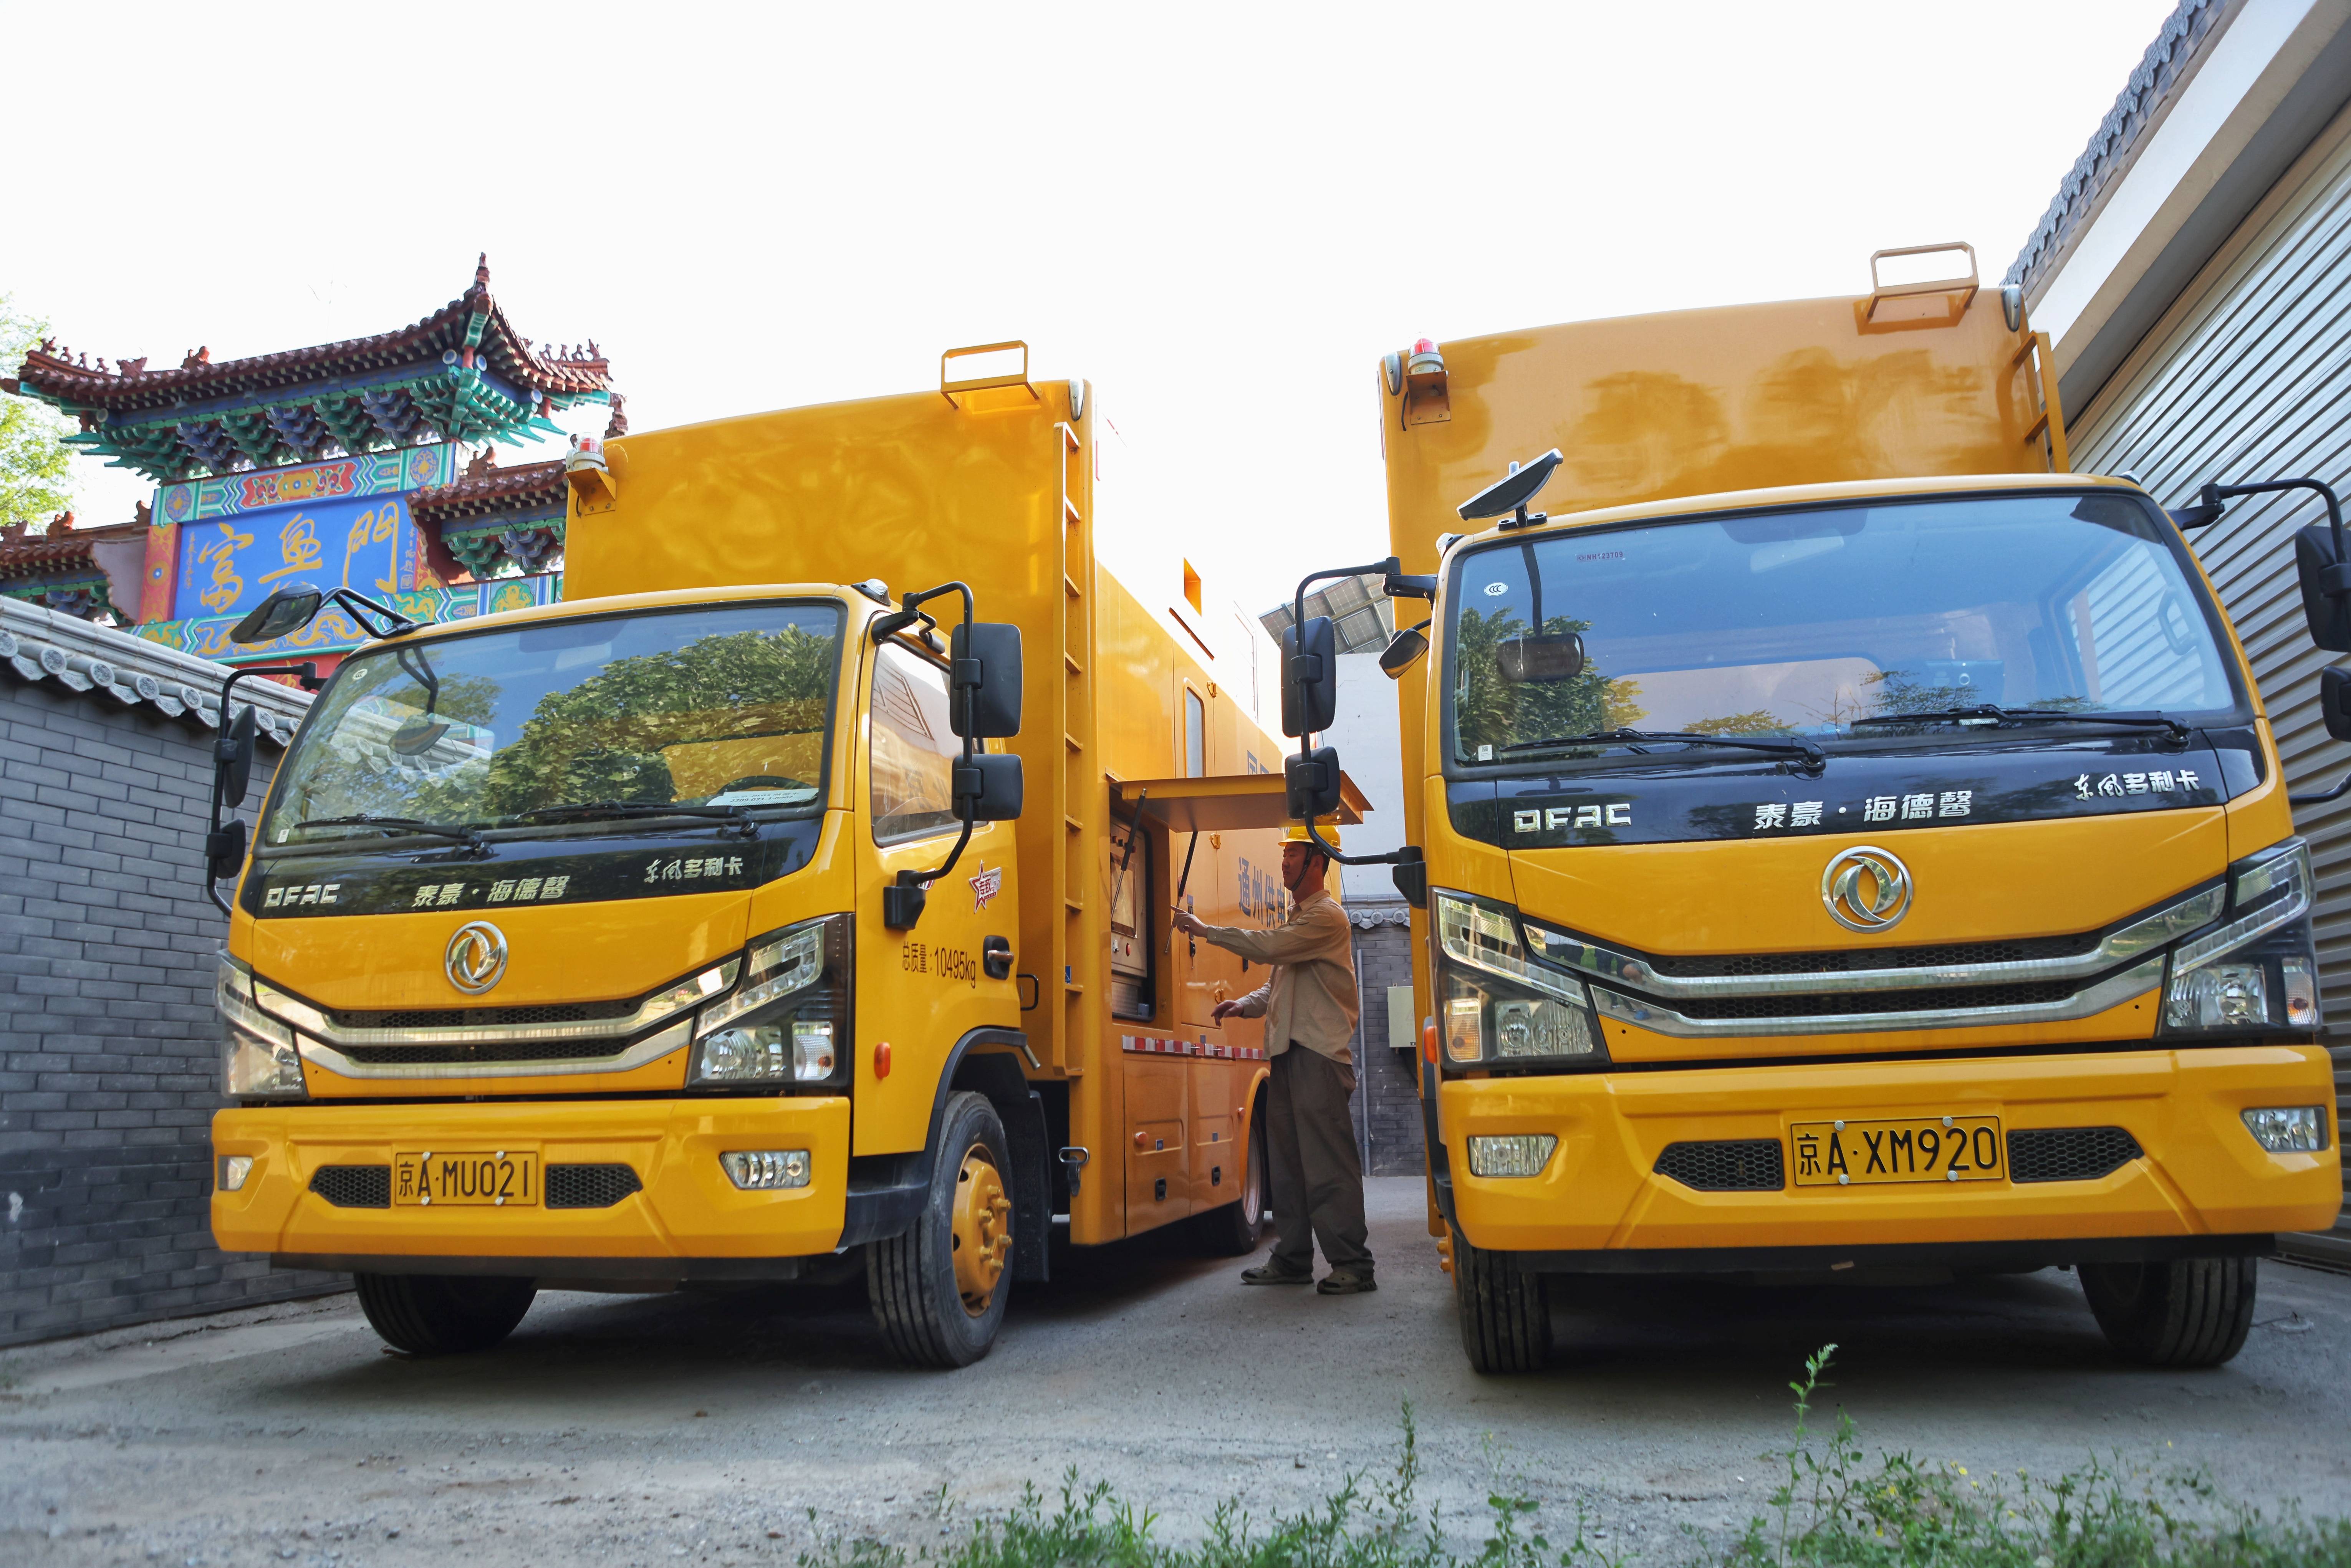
<point>1835,1509</point>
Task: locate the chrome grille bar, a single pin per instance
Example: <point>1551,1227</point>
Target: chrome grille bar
<point>2120,945</point>
<point>2111,992</point>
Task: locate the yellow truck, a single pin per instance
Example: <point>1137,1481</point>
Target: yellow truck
<point>1844,840</point>
<point>696,930</point>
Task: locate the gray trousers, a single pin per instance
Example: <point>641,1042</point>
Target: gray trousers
<point>1317,1178</point>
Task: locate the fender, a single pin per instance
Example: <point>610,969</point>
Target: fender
<point>886,1192</point>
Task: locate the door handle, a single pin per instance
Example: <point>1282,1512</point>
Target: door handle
<point>995,957</point>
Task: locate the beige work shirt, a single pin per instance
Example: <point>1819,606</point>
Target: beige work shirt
<point>1311,996</point>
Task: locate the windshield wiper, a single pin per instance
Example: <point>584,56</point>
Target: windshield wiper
<point>739,817</point>
<point>1813,757</point>
<point>1993,715</point>
<point>464,833</point>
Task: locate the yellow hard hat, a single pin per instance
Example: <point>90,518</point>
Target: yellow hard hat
<point>1296,833</point>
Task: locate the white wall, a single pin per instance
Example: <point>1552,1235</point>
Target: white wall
<point>1364,731</point>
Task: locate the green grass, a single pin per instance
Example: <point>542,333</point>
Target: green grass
<point>1836,1509</point>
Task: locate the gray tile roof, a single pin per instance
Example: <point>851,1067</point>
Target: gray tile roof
<point>2184,35</point>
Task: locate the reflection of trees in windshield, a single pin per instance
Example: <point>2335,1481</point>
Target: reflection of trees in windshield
<point>1493,711</point>
<point>628,731</point>
<point>745,709</point>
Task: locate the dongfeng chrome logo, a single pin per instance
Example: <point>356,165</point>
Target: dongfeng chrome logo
<point>1866,889</point>
<point>477,958</point>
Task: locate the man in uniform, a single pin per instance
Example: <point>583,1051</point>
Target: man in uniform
<point>1309,1006</point>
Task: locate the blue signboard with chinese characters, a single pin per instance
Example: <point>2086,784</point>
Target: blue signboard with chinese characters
<point>363,543</point>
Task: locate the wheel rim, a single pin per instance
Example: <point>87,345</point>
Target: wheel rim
<point>983,1229</point>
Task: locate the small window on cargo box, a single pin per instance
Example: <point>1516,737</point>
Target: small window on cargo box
<point>914,750</point>
<point>1195,736</point>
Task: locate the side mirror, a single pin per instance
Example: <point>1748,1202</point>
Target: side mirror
<point>287,610</point>
<point>2324,606</point>
<point>986,658</point>
<point>1309,784</point>
<point>233,760</point>
<point>987,786</point>
<point>1310,677</point>
<point>224,850</point>
<point>1404,650</point>
<point>2334,701</point>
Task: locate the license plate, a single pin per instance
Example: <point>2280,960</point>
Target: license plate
<point>1926,1148</point>
<point>500,1178</point>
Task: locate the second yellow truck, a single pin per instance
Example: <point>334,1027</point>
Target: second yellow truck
<point>1845,840</point>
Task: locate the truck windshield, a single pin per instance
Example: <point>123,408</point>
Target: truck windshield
<point>1870,619</point>
<point>706,708</point>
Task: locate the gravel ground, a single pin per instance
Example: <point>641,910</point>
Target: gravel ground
<point>651,1429</point>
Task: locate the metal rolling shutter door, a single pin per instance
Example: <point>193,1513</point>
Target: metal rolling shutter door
<point>2253,380</point>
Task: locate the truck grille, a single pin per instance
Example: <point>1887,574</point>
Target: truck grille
<point>484,1018</point>
<point>353,1187</point>
<point>2069,1154</point>
<point>492,1051</point>
<point>1832,1004</point>
<point>1736,1165</point>
<point>1861,960</point>
<point>589,1187</point>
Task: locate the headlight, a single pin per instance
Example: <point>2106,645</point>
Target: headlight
<point>1510,1154</point>
<point>2289,1129</point>
<point>2258,970</point>
<point>766,1170</point>
<point>788,1022</point>
<point>1498,1005</point>
<point>261,1062</point>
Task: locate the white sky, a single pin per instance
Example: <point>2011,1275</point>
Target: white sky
<point>1221,215</point>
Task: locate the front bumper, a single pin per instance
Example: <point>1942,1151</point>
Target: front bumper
<point>2201,1173</point>
<point>687,1220</point>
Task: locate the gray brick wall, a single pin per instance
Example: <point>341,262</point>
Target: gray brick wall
<point>109,1053</point>
<point>1387,1088</point>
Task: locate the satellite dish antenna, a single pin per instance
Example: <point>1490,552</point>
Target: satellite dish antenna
<point>1511,492</point>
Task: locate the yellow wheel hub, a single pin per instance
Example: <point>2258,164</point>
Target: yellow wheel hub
<point>983,1229</point>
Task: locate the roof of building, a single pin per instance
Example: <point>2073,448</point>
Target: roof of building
<point>49,374</point>
<point>2162,72</point>
<point>462,373</point>
<point>115,669</point>
<point>485,491</point>
<point>60,550</point>
<point>489,491</point>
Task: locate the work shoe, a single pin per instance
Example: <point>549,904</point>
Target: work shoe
<point>1274,1274</point>
<point>1346,1282</point>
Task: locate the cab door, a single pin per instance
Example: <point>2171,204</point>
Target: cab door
<point>921,989</point>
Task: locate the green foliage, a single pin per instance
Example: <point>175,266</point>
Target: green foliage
<point>1490,710</point>
<point>605,738</point>
<point>35,462</point>
<point>1833,1511</point>
<point>612,736</point>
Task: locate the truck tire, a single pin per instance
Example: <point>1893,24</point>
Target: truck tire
<point>443,1314</point>
<point>1504,1311</point>
<point>938,1290</point>
<point>2181,1311</point>
<point>1233,1229</point>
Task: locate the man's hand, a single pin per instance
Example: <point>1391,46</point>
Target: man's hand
<point>1189,924</point>
<point>1224,1010</point>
